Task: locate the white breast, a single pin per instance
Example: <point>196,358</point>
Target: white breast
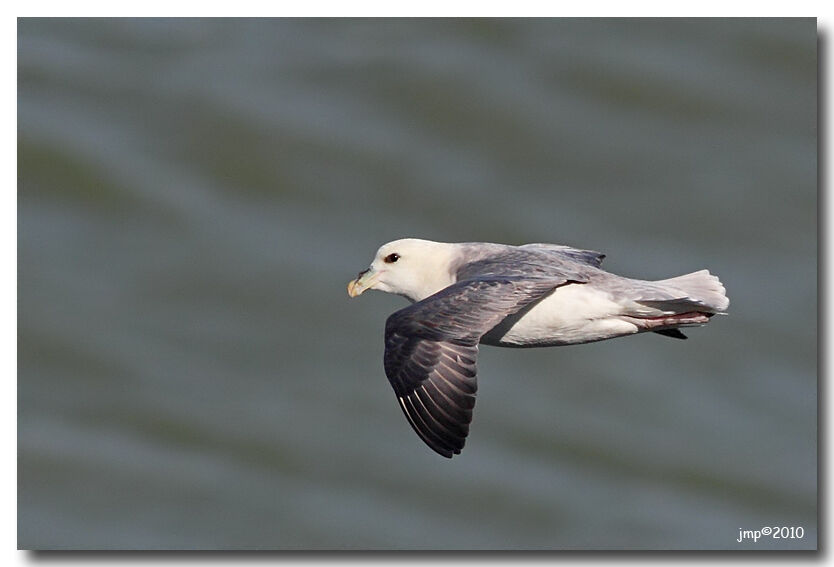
<point>572,314</point>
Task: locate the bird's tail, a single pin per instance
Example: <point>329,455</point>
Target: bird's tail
<point>701,289</point>
<point>689,300</point>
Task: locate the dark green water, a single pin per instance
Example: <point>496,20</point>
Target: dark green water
<point>194,195</point>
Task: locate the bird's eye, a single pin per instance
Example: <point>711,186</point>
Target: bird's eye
<point>391,258</point>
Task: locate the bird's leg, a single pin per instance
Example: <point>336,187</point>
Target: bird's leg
<point>669,321</point>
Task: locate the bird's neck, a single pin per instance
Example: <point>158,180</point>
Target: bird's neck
<point>435,274</point>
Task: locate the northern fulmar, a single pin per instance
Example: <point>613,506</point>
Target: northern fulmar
<point>534,295</point>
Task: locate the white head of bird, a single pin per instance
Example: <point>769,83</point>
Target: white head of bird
<point>410,267</point>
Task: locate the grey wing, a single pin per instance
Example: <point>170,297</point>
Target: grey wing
<point>431,348</point>
<point>589,257</point>
<point>526,262</point>
<point>435,384</point>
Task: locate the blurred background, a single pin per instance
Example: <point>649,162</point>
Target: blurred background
<point>194,196</point>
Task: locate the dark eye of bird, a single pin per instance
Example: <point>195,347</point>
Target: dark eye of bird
<point>391,258</point>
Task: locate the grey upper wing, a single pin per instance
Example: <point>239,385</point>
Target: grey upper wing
<point>529,261</point>
<point>431,349</point>
<point>590,257</point>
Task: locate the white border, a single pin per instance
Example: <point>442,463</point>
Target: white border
<point>8,243</point>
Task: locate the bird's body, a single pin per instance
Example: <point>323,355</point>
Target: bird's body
<point>570,314</point>
<point>533,295</point>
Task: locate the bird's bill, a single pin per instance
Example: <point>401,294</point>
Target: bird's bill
<point>363,281</point>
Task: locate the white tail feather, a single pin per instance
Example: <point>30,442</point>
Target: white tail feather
<point>702,287</point>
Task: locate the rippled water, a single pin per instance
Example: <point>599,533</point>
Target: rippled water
<point>194,195</point>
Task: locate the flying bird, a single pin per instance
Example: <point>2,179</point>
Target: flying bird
<point>535,295</point>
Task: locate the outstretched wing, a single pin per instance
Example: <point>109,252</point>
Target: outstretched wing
<point>431,349</point>
<point>590,257</point>
<point>435,384</point>
<point>532,261</point>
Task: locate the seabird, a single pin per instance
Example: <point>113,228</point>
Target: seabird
<point>534,295</point>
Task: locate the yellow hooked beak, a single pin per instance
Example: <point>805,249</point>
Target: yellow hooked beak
<point>362,282</point>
